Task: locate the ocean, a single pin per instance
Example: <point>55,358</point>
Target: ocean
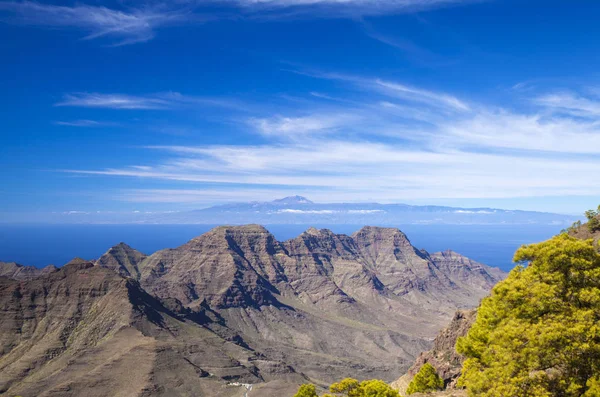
<point>40,245</point>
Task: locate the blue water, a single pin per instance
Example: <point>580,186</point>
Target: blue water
<point>40,245</point>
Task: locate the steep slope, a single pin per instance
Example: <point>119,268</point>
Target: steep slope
<point>16,271</point>
<point>467,273</point>
<point>226,267</point>
<point>302,300</point>
<point>583,231</point>
<point>85,330</point>
<point>442,356</point>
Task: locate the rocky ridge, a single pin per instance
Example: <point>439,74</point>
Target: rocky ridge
<point>236,305</point>
<point>19,272</point>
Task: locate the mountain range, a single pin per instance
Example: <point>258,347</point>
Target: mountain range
<point>232,311</point>
<point>300,210</point>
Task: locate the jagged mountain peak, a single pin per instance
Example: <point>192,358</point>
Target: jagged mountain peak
<point>122,259</point>
<point>313,231</point>
<point>122,246</point>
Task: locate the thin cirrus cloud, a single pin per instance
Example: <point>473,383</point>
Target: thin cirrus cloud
<point>121,27</point>
<point>385,171</point>
<point>157,101</point>
<point>136,25</point>
<point>304,125</point>
<point>570,103</point>
<point>114,101</point>
<point>419,95</point>
<point>392,89</point>
<point>343,8</point>
<point>464,150</point>
<point>82,123</point>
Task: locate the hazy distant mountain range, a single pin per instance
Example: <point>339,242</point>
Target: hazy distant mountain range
<point>300,210</point>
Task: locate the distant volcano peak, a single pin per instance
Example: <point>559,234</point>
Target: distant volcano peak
<point>293,200</point>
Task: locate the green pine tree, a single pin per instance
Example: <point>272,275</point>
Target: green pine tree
<point>538,334</point>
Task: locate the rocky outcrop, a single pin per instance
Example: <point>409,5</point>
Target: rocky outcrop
<point>442,356</point>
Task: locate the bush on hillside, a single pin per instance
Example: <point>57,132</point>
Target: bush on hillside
<point>352,388</point>
<point>307,390</point>
<point>425,381</point>
<point>538,334</point>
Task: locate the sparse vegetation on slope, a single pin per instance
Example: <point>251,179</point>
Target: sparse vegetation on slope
<point>593,223</point>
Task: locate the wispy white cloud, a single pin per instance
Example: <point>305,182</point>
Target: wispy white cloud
<point>344,8</point>
<point>83,123</point>
<point>394,142</point>
<point>411,50</point>
<point>120,27</point>
<point>139,23</point>
<point>570,103</point>
<point>394,89</point>
<point>363,169</point>
<point>113,101</point>
<point>419,95</point>
<point>532,132</point>
<point>293,126</point>
<point>157,101</point>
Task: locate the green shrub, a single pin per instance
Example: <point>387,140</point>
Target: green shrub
<point>425,381</point>
<point>307,390</point>
<point>352,388</point>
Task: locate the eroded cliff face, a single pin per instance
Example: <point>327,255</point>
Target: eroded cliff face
<point>307,297</point>
<point>233,305</point>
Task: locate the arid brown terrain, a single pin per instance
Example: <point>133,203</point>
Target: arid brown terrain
<point>229,309</point>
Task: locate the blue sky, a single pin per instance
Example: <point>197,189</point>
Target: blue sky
<point>160,106</point>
